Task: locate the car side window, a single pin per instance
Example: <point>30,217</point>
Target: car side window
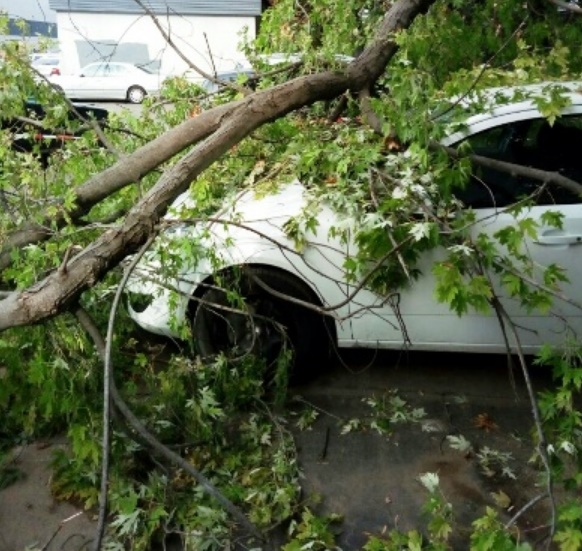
<point>114,70</point>
<point>93,70</point>
<point>533,143</point>
<point>107,70</point>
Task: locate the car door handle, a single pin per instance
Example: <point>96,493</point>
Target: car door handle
<point>559,239</point>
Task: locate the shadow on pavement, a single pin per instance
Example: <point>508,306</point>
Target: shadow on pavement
<point>371,479</point>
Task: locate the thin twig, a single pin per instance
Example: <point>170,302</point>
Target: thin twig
<point>58,529</point>
<point>484,67</point>
<point>388,232</point>
<point>111,392</point>
<point>167,37</point>
<point>527,506</point>
<point>542,442</point>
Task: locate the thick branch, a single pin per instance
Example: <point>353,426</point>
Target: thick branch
<point>125,171</point>
<point>518,170</point>
<point>58,291</point>
<point>168,38</point>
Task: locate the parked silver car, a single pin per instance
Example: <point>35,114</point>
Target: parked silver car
<point>47,64</point>
<point>212,86</point>
<point>109,80</point>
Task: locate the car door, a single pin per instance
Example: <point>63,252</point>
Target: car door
<point>415,316</point>
<point>114,82</point>
<point>87,83</point>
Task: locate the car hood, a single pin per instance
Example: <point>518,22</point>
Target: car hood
<point>253,205</point>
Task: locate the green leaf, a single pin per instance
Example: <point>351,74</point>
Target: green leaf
<point>569,539</point>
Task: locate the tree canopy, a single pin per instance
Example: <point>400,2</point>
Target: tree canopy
<point>362,97</point>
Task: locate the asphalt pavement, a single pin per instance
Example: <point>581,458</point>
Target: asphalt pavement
<point>363,466</point>
<point>371,478</point>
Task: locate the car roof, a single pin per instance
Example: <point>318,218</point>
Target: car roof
<point>236,72</point>
<point>490,98</point>
<point>39,55</point>
<point>482,109</point>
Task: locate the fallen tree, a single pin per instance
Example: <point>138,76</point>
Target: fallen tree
<point>214,133</point>
<point>65,270</point>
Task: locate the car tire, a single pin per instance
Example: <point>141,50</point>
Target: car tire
<point>268,325</point>
<point>136,94</point>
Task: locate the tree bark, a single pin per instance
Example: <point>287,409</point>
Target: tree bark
<point>215,132</point>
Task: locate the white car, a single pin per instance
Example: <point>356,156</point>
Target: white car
<point>109,80</point>
<point>47,64</point>
<point>251,252</point>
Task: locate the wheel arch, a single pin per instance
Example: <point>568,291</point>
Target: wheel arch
<point>314,297</point>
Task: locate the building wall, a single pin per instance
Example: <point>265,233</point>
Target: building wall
<point>32,33</point>
<point>40,19</point>
<point>162,7</point>
<point>85,37</point>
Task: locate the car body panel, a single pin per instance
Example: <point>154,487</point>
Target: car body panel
<point>47,64</point>
<point>476,331</point>
<point>413,316</point>
<point>106,81</point>
<point>261,241</point>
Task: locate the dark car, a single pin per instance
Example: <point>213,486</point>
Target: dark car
<point>29,133</point>
<point>228,77</point>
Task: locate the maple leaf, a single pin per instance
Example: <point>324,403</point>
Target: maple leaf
<point>460,443</point>
<point>501,499</point>
<point>483,421</point>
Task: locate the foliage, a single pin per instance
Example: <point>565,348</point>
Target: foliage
<point>563,422</point>
<point>219,416</point>
<point>312,532</point>
<point>439,514</point>
<point>489,533</point>
<point>387,411</point>
<point>216,415</point>
<point>56,376</point>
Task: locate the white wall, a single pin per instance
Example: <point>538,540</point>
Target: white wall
<point>199,38</point>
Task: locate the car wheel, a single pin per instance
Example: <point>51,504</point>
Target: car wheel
<point>265,325</point>
<point>136,94</point>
